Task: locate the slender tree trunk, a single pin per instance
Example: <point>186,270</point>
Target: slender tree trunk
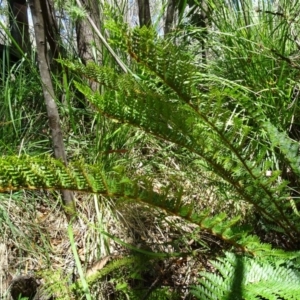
<point>49,96</point>
<point>144,13</point>
<point>170,16</point>
<point>88,43</point>
<point>19,27</point>
<point>101,39</point>
<point>86,37</point>
<point>201,19</point>
<point>52,32</point>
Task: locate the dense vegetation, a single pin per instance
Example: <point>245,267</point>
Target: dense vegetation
<point>184,161</point>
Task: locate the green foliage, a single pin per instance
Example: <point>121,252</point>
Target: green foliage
<point>164,99</point>
<point>20,106</point>
<point>288,147</point>
<point>253,44</point>
<point>56,283</point>
<point>134,268</point>
<point>241,277</point>
<point>233,116</point>
<point>36,173</point>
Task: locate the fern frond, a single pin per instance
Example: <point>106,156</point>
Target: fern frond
<point>35,173</point>
<point>114,265</point>
<point>286,145</point>
<point>182,117</point>
<point>240,277</point>
<point>46,173</point>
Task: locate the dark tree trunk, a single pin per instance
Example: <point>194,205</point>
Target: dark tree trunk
<point>49,96</point>
<point>170,16</point>
<point>144,13</point>
<point>18,21</point>
<point>51,30</point>
<point>201,19</point>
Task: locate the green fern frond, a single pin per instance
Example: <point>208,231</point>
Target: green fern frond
<point>286,145</point>
<point>46,173</point>
<point>112,266</point>
<point>183,118</point>
<point>35,173</point>
<point>240,277</point>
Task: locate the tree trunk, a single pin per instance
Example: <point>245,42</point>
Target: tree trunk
<point>101,39</point>
<point>48,91</point>
<point>144,13</point>
<point>201,19</point>
<point>52,32</point>
<point>86,37</point>
<point>170,16</point>
<point>18,21</point>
